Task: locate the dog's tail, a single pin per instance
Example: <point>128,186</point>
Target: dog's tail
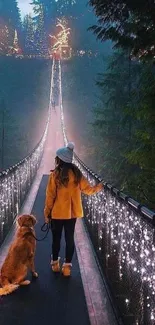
<point>9,288</point>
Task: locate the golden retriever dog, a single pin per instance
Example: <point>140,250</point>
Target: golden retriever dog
<point>20,257</point>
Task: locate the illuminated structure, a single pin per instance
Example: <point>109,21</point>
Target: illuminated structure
<point>15,43</point>
<point>4,39</point>
<point>15,49</point>
<point>60,48</point>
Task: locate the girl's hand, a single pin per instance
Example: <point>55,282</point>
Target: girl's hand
<point>100,186</point>
<point>47,219</point>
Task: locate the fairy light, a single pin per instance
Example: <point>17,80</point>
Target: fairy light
<point>14,185</point>
<point>15,49</point>
<point>4,38</point>
<point>16,181</point>
<point>61,40</point>
<point>121,234</point>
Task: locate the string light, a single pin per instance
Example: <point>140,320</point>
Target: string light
<point>125,243</point>
<point>4,38</point>
<point>15,49</point>
<point>16,181</point>
<point>61,40</point>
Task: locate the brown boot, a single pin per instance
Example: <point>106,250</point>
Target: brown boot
<point>55,265</point>
<point>66,269</point>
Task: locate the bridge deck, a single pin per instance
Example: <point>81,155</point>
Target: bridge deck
<point>51,298</point>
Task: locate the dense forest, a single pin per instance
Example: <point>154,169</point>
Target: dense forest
<point>116,116</point>
<point>125,115</point>
<point>24,100</point>
<point>34,32</point>
<point>115,113</point>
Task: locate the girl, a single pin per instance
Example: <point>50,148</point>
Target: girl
<point>63,204</point>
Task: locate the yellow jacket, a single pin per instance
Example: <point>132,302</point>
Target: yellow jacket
<point>65,202</point>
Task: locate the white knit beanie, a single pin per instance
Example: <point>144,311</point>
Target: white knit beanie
<point>66,153</point>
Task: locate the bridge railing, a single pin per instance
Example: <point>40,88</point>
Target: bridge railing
<point>15,183</point>
<point>123,235</point>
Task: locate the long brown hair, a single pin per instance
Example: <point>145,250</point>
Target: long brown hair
<point>62,172</point>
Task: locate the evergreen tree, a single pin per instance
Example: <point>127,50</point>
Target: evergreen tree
<point>78,15</point>
<point>125,127</point>
<point>11,16</point>
<point>48,12</point>
<point>129,24</point>
<point>10,13</point>
<point>142,153</point>
<point>41,39</point>
<point>54,9</point>
<point>113,124</point>
<point>67,8</point>
<point>29,36</point>
<point>4,38</point>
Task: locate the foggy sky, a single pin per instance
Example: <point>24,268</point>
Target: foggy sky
<point>25,7</point>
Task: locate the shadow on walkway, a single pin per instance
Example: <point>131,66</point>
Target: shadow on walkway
<point>51,299</point>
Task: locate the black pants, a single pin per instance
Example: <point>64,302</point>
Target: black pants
<point>57,227</point>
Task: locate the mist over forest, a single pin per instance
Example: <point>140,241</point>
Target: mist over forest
<point>25,95</point>
<point>108,87</point>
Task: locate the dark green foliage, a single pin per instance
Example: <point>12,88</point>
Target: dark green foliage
<point>125,125</point>
<point>54,9</point>
<point>10,13</point>
<point>57,8</point>
<point>128,23</point>
<point>78,15</point>
<point>29,35</point>
<point>9,18</point>
<point>142,153</point>
<point>41,38</point>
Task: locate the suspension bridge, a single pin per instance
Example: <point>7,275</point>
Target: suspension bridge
<point>113,275</point>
